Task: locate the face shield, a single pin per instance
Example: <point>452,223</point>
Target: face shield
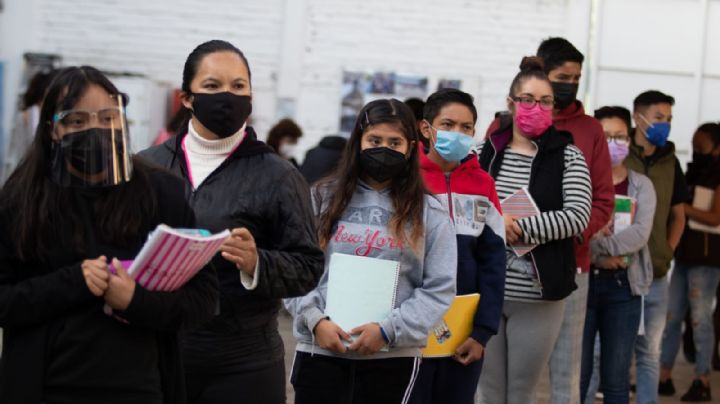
<point>91,148</point>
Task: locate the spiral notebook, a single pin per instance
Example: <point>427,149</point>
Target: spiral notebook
<point>360,290</point>
<point>520,205</point>
<point>171,257</point>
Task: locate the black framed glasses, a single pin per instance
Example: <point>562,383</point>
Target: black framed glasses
<point>528,102</point>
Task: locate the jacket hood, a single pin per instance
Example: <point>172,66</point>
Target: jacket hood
<point>572,111</point>
<point>469,163</point>
<point>250,146</point>
<point>333,142</point>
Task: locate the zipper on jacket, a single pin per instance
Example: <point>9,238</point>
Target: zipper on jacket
<point>449,196</point>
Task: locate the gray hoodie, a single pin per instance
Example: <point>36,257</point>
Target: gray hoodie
<point>633,240</point>
<point>426,284</point>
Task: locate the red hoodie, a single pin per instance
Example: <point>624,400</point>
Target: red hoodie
<point>588,136</point>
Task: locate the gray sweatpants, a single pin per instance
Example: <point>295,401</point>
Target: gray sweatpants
<point>516,356</point>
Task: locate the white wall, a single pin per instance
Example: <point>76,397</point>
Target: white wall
<point>299,48</point>
<point>667,45</point>
<point>18,21</point>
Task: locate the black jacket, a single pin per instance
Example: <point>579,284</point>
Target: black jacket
<point>51,320</point>
<point>323,158</point>
<point>700,247</point>
<point>256,189</point>
<point>555,260</point>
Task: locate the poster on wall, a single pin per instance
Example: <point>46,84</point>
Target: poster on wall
<point>449,83</point>
<point>361,87</point>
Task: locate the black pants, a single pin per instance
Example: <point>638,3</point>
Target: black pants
<point>320,379</point>
<point>261,386</point>
<point>446,381</point>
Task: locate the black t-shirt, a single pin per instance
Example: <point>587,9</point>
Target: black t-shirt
<point>680,190</point>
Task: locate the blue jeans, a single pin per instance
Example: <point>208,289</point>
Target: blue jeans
<point>614,312</point>
<point>692,286</point>
<point>647,346</point>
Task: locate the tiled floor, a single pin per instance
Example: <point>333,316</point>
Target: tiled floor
<point>682,375</point>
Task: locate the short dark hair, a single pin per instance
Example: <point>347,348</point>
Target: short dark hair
<point>556,51</point>
<point>652,97</point>
<point>621,113</point>
<point>36,88</point>
<point>416,105</point>
<point>285,127</point>
<point>446,96</point>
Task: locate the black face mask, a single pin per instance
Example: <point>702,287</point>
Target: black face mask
<point>703,160</point>
<point>382,163</point>
<point>87,153</point>
<point>223,113</point>
<point>565,94</point>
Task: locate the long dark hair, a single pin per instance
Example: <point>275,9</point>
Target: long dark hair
<point>192,63</point>
<point>48,214</point>
<point>407,190</point>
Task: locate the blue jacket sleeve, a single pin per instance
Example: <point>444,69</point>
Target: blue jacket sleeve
<point>491,261</point>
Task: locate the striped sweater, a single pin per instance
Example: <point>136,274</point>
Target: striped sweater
<point>521,279</point>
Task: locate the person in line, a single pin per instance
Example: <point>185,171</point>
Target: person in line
<point>26,121</point>
<point>233,181</point>
<point>528,151</point>
<point>621,271</point>
<point>654,156</point>
<point>563,65</point>
<point>321,160</point>
<point>85,205</point>
<point>376,205</point>
<point>452,172</point>
<point>696,274</point>
<point>283,138</point>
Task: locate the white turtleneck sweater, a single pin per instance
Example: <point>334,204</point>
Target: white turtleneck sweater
<point>205,156</point>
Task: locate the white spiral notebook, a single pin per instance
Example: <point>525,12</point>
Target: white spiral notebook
<point>360,290</point>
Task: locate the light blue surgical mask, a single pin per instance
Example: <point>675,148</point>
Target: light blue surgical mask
<point>452,146</point>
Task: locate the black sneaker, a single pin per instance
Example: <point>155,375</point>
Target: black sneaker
<point>666,388</point>
<point>698,392</point>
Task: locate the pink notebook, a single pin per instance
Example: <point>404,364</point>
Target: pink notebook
<point>520,205</point>
<point>171,257</point>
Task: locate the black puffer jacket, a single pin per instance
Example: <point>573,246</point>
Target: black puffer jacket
<point>256,189</point>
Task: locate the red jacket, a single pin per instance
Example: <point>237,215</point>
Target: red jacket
<point>588,136</point>
<point>469,194</point>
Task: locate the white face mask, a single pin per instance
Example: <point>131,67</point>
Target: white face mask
<point>287,150</point>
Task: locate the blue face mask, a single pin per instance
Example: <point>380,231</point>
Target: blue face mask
<point>657,133</point>
<point>452,146</point>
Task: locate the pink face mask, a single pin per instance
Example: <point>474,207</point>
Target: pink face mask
<point>532,122</point>
<point>618,152</point>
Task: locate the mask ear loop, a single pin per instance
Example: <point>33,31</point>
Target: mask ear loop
<point>646,120</point>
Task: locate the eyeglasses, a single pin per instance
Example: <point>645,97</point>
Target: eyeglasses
<point>77,120</point>
<point>620,140</point>
<point>528,102</point>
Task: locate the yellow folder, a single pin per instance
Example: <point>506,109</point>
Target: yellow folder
<point>455,328</point>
